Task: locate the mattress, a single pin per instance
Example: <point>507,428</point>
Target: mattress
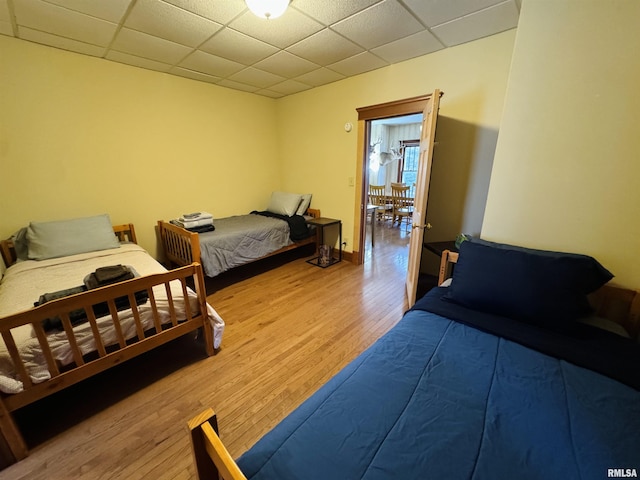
<point>241,239</point>
<point>25,281</point>
<point>437,398</point>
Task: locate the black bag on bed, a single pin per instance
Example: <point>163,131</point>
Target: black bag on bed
<point>76,316</point>
<point>101,277</point>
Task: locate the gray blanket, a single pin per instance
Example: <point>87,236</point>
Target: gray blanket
<point>239,240</point>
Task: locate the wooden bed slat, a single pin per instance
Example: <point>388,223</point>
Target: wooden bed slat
<point>46,350</point>
<point>91,317</point>
<point>71,337</point>
<point>136,315</point>
<point>16,358</point>
<point>172,310</point>
<point>154,309</point>
<point>187,304</point>
<point>113,312</point>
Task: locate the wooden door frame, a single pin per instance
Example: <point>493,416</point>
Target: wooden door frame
<point>398,108</point>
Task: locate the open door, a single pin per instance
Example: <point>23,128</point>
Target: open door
<point>429,118</point>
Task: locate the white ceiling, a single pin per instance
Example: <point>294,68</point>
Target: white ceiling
<point>220,41</point>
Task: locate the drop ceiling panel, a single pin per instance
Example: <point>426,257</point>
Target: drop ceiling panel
<point>269,93</point>
<point>289,87</point>
<point>281,32</point>
<point>465,29</point>
<point>237,46</point>
<point>4,11</point>
<point>325,47</point>
<point>327,12</point>
<point>435,12</point>
<point>237,86</point>
<point>314,43</point>
<point>286,64</point>
<point>61,42</point>
<point>416,45</point>
<point>219,11</point>
<point>378,25</point>
<point>321,76</point>
<point>211,64</point>
<point>257,78</point>
<point>7,29</point>
<point>361,63</point>
<point>49,18</point>
<point>164,20</point>
<point>202,77</point>
<point>137,61</point>
<point>148,46</point>
<point>111,10</point>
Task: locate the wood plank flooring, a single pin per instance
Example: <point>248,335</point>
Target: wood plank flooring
<point>290,327</point>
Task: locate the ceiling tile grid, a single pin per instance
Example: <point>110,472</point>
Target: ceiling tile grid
<point>314,43</point>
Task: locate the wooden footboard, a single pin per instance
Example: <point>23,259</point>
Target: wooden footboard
<point>107,355</point>
<point>182,247</point>
<point>211,458</point>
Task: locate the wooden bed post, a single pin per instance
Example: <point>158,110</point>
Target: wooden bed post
<point>207,328</point>
<point>212,459</point>
<point>448,258</point>
<point>13,446</point>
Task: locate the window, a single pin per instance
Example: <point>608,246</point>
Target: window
<point>408,167</point>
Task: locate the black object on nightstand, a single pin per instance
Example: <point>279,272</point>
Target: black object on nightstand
<point>325,259</point>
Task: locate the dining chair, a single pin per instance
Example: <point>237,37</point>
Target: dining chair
<point>402,204</point>
<point>378,197</point>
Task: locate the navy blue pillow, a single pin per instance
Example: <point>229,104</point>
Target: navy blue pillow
<point>536,286</point>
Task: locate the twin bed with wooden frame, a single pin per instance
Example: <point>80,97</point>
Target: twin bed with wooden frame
<point>459,389</point>
<point>35,363</point>
<point>236,241</point>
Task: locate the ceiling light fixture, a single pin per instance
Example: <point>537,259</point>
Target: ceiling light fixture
<point>268,8</point>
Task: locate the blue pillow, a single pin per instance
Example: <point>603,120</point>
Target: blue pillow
<point>536,286</point>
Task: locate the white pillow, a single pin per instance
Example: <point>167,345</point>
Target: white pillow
<point>69,237</point>
<point>304,204</point>
<point>284,203</point>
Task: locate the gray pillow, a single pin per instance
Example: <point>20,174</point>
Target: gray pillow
<point>20,244</point>
<point>304,204</point>
<point>284,203</point>
<point>70,237</point>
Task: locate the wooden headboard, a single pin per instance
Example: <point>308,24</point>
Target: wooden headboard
<point>618,304</point>
<point>125,233</point>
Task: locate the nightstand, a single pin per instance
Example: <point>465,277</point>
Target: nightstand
<point>321,223</point>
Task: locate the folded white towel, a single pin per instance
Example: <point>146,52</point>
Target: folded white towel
<point>197,223</point>
<point>192,217</point>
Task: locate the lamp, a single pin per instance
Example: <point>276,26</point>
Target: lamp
<point>267,8</point>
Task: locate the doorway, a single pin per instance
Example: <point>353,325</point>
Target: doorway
<point>393,155</point>
<point>428,106</point>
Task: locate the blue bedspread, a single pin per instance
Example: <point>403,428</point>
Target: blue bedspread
<point>435,398</point>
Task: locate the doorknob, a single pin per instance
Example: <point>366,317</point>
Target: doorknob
<point>428,226</point>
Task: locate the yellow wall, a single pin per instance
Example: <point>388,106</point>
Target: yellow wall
<point>319,156</point>
<point>566,174</point>
<point>82,136</point>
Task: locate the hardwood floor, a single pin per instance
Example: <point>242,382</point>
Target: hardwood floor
<point>290,328</point>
